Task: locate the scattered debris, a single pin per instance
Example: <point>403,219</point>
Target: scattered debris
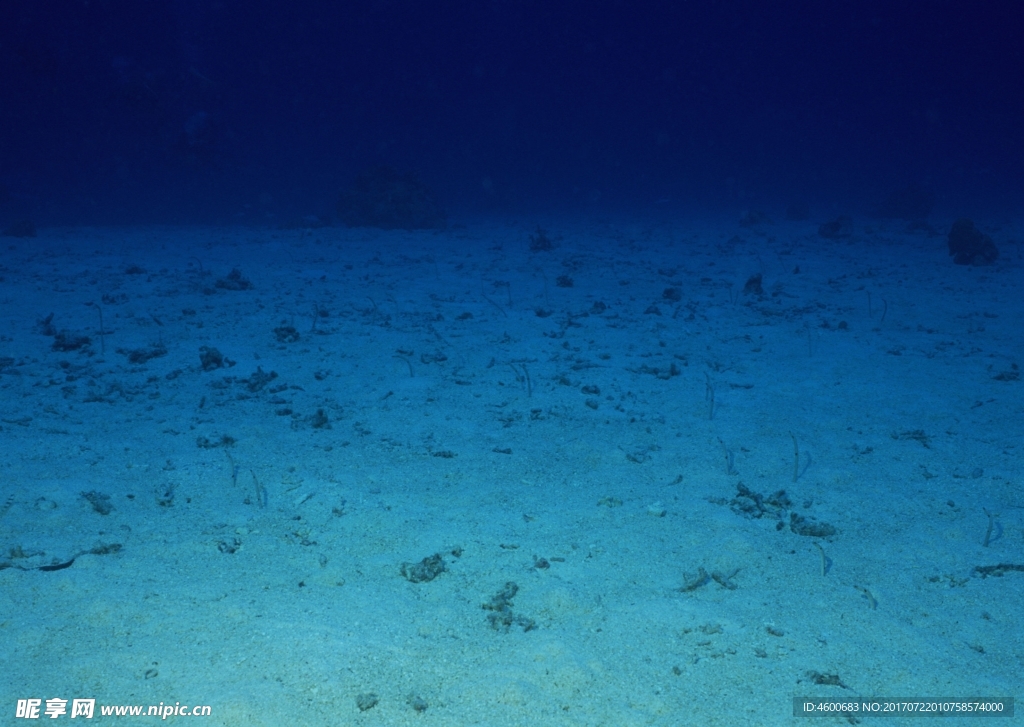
<point>425,571</point>
<point>234,281</point>
<point>99,501</point>
<point>319,420</point>
<point>286,334</point>
<point>64,342</point>
<point>259,379</point>
<point>418,703</point>
<point>753,285</point>
<point>998,570</point>
<point>210,359</point>
<point>229,546</point>
<point>225,440</point>
<point>367,701</point>
<point>56,565</point>
<point>725,580</point>
<point>142,355</point>
<point>810,527</point>
<point>695,581</point>
<point>165,495</point>
<point>502,618</point>
<point>917,435</point>
<point>753,505</point>
<point>825,680</point>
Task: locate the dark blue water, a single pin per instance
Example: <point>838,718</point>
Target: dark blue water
<point>259,112</point>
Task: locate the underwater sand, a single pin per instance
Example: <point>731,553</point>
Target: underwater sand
<point>388,396</point>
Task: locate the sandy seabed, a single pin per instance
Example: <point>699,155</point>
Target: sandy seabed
<point>248,460</point>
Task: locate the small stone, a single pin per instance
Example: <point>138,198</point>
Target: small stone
<point>45,503</point>
<point>367,701</point>
<point>656,509</point>
<point>417,702</point>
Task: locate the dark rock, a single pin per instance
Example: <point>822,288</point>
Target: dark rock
<point>418,703</point>
<point>426,570</point>
<point>319,420</point>
<point>64,341</point>
<point>210,358</point>
<point>286,334</point>
<point>754,505</point>
<point>259,379</point>
<point>367,701</point>
<point>810,527</point>
<point>229,547</point>
<point>540,242</point>
<point>234,281</point>
<point>837,229</point>
<point>100,502</point>
<point>501,617</point>
<point>142,355</point>
<point>970,246</point>
<point>46,327</point>
<point>390,200</point>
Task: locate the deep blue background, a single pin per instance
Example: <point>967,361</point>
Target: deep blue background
<point>258,111</point>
